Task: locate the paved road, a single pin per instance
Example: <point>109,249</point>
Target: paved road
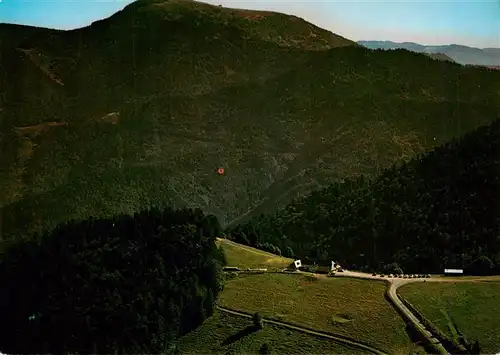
<point>392,292</point>
<point>339,339</point>
<point>395,283</point>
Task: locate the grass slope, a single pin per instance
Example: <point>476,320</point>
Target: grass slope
<point>474,308</point>
<point>349,307</point>
<point>143,107</point>
<point>247,257</point>
<point>220,334</point>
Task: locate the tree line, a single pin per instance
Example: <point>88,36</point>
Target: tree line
<point>129,284</point>
<point>439,210</point>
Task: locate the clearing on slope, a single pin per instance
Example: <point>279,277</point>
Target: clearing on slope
<point>244,256</point>
<point>353,308</point>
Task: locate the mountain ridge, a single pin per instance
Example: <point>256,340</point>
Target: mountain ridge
<point>160,95</point>
<point>459,53</point>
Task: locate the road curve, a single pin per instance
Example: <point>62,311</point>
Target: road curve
<point>394,284</point>
<point>393,295</point>
<point>339,339</point>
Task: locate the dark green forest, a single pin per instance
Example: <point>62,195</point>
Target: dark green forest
<point>439,210</point>
<point>130,284</point>
<point>162,93</point>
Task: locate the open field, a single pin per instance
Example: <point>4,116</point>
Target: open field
<point>248,257</point>
<point>225,334</point>
<point>343,306</point>
<point>474,308</point>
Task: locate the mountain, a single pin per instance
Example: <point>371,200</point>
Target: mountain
<point>460,54</point>
<point>439,210</point>
<point>143,107</point>
<point>439,56</point>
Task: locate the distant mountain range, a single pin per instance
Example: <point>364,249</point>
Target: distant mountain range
<point>458,53</point>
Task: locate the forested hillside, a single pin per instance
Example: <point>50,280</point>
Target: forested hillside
<point>438,210</point>
<point>142,108</point>
<point>123,285</point>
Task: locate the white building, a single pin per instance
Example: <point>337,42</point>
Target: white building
<point>454,272</point>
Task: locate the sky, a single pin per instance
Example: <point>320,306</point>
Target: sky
<point>473,23</point>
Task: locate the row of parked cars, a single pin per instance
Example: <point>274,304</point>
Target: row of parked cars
<point>405,276</point>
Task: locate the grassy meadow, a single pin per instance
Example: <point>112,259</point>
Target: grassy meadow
<point>247,257</point>
<point>342,306</point>
<point>472,308</point>
<point>227,334</point>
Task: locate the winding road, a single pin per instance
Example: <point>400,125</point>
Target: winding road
<point>394,284</point>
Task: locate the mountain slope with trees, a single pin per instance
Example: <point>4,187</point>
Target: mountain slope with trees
<point>438,210</point>
<point>140,110</point>
<point>440,56</point>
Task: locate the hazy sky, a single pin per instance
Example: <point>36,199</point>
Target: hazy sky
<point>473,23</point>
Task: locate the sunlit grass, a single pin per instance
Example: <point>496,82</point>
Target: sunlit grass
<point>320,304</point>
<point>474,307</point>
<point>247,257</point>
<point>210,338</point>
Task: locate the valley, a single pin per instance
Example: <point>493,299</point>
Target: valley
<point>163,168</point>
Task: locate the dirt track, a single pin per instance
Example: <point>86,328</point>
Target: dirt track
<point>339,339</point>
